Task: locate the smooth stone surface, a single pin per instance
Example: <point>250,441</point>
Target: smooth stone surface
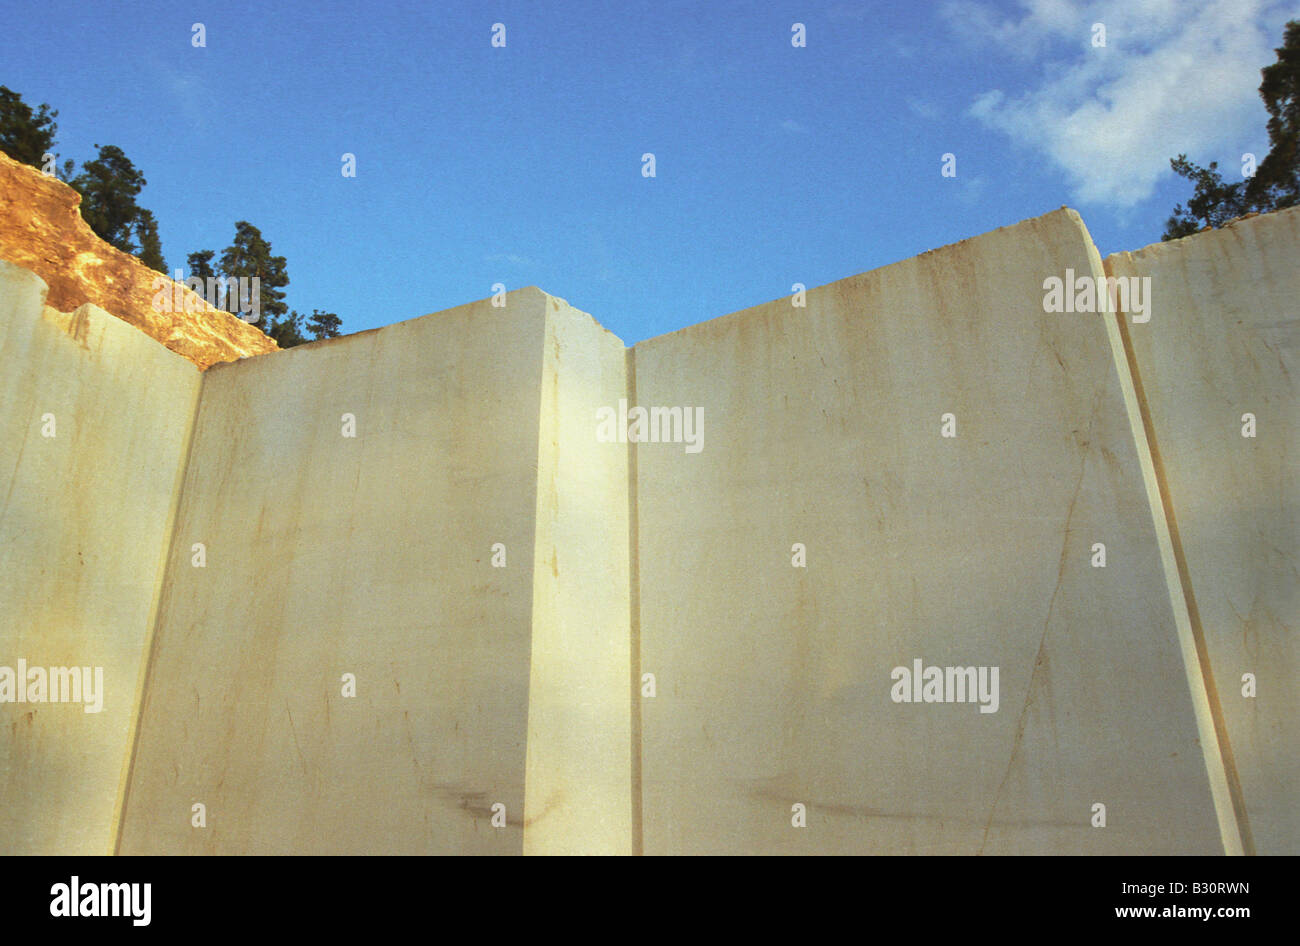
<point>822,426</point>
<point>579,792</point>
<point>370,555</point>
<point>520,686</point>
<point>85,517</point>
<point>1222,342</point>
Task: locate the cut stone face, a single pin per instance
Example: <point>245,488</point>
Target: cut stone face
<point>914,562</point>
<point>1222,344</point>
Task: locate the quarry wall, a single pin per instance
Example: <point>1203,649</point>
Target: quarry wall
<point>95,425</point>
<point>579,785</point>
<point>350,531</point>
<point>825,434</point>
<point>1221,345</point>
<point>416,590</point>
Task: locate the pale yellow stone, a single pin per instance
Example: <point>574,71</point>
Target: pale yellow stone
<point>85,517</point>
<point>1221,342</point>
<point>370,555</point>
<point>518,687</point>
<point>822,427</point>
<point>579,793</point>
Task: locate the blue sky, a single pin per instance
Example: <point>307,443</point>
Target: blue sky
<point>523,165</point>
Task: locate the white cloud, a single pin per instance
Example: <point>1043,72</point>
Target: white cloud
<point>1174,77</point>
<point>1043,21</point>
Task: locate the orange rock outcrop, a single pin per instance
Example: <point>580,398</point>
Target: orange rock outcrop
<point>41,229</point>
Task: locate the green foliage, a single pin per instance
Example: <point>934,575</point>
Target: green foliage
<point>1214,203</point>
<point>287,331</point>
<point>250,255</point>
<point>108,186</point>
<point>324,324</point>
<point>146,231</point>
<point>1276,182</point>
<point>200,264</point>
<point>25,135</point>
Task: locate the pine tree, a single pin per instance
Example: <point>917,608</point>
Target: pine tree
<point>25,135</point>
<point>1214,203</point>
<point>324,324</point>
<point>200,264</point>
<point>1276,182</point>
<point>109,186</point>
<point>250,255</point>
<point>146,230</point>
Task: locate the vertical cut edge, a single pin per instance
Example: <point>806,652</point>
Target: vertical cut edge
<point>1225,789</point>
<point>634,608</point>
<point>163,573</point>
